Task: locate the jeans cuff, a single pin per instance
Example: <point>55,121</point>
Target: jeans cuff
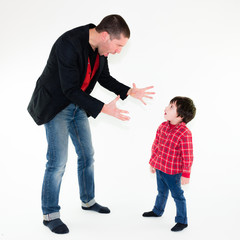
<point>181,220</point>
<point>51,216</point>
<point>157,212</point>
<point>89,204</point>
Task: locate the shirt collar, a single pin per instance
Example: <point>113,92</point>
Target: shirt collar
<point>177,125</point>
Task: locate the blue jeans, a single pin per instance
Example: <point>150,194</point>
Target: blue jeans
<point>166,182</point>
<point>73,122</point>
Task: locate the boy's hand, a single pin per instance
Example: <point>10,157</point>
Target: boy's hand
<point>152,169</point>
<point>184,180</point>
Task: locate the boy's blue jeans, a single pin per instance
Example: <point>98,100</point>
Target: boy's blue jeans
<point>166,182</point>
<point>73,122</point>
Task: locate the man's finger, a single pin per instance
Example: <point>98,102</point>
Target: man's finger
<point>148,97</point>
<point>146,88</point>
<point>117,98</point>
<point>123,111</point>
<point>123,117</point>
<point>149,92</point>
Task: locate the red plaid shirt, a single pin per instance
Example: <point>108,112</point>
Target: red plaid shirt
<point>172,149</point>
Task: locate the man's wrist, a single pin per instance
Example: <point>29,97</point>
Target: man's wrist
<point>129,92</point>
<point>103,108</point>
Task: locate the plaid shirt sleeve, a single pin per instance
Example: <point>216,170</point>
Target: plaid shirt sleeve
<point>156,143</point>
<point>187,153</point>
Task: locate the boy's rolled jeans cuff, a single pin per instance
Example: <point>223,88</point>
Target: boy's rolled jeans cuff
<point>51,216</point>
<point>89,204</point>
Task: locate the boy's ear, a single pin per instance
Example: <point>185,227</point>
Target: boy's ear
<point>180,118</point>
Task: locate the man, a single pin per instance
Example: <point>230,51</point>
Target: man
<point>62,102</point>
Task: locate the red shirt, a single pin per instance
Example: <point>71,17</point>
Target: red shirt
<point>90,73</point>
<point>172,149</point>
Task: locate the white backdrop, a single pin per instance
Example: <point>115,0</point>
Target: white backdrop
<point>182,47</point>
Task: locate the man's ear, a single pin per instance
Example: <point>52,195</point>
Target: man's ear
<point>105,36</point>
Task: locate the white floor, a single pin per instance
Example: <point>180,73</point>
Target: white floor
<point>213,205</point>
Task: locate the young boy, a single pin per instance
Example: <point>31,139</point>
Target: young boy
<point>172,157</point>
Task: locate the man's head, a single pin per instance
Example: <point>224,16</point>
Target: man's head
<point>185,108</point>
<point>115,26</point>
<point>114,34</point>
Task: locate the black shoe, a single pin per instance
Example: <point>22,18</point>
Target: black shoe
<point>97,208</point>
<point>179,227</point>
<point>56,226</point>
<point>150,214</point>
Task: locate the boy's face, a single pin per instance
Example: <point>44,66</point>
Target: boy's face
<point>171,114</point>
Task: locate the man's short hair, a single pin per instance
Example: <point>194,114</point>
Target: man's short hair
<point>185,108</point>
<point>114,25</point>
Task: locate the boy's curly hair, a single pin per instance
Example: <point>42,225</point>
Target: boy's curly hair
<point>185,108</point>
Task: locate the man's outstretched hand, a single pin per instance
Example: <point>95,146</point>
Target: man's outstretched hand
<point>140,93</point>
<point>112,110</point>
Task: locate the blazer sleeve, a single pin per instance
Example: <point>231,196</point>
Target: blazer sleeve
<point>71,78</point>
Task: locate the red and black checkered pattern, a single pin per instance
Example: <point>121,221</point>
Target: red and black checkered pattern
<point>172,149</point>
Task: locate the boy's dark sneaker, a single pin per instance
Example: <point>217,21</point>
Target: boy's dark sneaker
<point>179,227</point>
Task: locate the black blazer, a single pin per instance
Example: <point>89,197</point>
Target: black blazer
<point>62,78</point>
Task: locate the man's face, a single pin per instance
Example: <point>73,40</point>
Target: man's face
<point>108,46</point>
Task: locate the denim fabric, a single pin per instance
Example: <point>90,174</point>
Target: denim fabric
<point>73,122</point>
<point>166,182</point>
